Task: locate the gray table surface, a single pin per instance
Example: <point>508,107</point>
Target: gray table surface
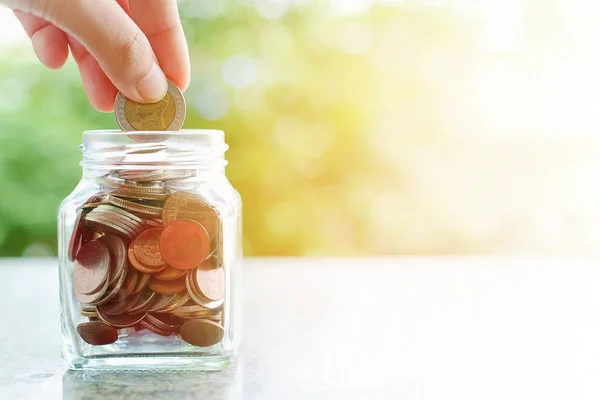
<point>457,328</point>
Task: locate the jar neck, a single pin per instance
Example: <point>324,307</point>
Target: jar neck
<point>201,152</point>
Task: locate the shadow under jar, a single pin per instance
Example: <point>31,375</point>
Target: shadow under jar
<point>150,249</point>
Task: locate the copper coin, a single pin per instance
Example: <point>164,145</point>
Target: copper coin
<point>151,223</point>
<point>80,236</point>
<point>192,310</point>
<point>184,244</point>
<point>94,297</point>
<point>91,268</point>
<point>211,283</point>
<point>147,248</point>
<point>210,263</point>
<point>97,333</point>
<point>135,263</point>
<point>142,282</point>
<point>152,328</point>
<point>115,290</point>
<point>167,287</point>
<point>184,205</point>
<point>119,306</point>
<point>122,320</point>
<point>118,255</point>
<point>202,332</point>
<point>117,218</point>
<point>170,274</point>
<point>180,300</point>
<point>165,320</point>
<point>131,280</point>
<point>114,293</point>
<point>191,288</point>
<point>109,215</point>
<point>144,302</point>
<point>202,315</point>
<point>156,322</point>
<point>218,318</point>
<point>197,297</point>
<point>101,223</point>
<point>129,217</point>
<point>162,301</point>
<point>215,318</point>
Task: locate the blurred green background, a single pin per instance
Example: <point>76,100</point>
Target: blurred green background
<point>356,127</point>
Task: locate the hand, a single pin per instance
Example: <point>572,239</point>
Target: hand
<point>116,44</point>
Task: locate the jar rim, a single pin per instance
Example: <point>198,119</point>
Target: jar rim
<point>184,132</point>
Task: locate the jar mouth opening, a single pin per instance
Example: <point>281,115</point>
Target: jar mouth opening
<point>183,132</point>
<point>176,149</point>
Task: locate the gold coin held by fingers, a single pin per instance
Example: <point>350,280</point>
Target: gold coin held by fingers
<point>166,114</point>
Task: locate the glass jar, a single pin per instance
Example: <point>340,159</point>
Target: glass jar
<point>150,249</point>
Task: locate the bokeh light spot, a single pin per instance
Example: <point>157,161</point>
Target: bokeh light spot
<point>272,9</point>
<point>37,250</point>
<point>355,38</point>
<point>19,94</point>
<point>351,6</point>
<point>239,71</point>
<point>210,103</point>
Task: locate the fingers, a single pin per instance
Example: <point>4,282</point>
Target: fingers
<point>122,50</point>
<point>49,42</point>
<point>99,89</point>
<point>159,20</point>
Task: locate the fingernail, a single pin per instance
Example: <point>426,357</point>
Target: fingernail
<point>154,86</point>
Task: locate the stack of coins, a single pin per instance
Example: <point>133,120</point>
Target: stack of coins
<point>146,257</point>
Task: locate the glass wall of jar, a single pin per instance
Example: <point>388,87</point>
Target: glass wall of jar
<point>150,253</point>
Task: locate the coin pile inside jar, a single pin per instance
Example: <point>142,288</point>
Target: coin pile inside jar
<point>146,257</point>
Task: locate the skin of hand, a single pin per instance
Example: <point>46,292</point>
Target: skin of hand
<point>131,46</point>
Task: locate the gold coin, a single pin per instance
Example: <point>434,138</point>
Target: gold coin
<point>185,205</point>
<point>89,314</point>
<point>166,114</point>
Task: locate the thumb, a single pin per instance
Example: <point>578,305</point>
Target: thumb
<point>113,38</point>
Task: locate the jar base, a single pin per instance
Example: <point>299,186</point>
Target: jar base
<point>150,362</point>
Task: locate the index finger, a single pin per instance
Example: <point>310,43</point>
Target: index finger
<point>160,22</point>
<point>109,34</point>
